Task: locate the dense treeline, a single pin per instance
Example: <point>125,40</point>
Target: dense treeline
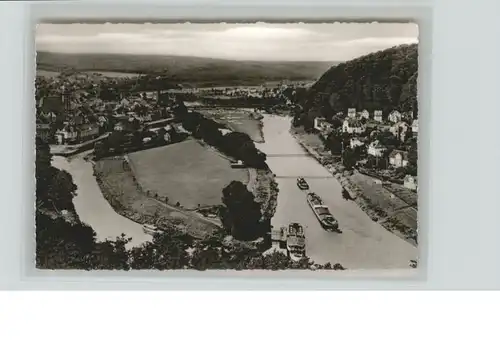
<point>63,242</point>
<point>235,144</point>
<point>384,80</point>
<point>249,101</point>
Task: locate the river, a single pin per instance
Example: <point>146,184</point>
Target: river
<point>91,206</point>
<point>363,243</point>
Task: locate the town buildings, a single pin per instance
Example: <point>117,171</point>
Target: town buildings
<point>398,159</point>
<point>365,114</point>
<point>410,182</point>
<point>400,130</point>
<point>67,135</point>
<point>353,126</point>
<point>376,149</point>
<point>377,116</point>
<point>414,126</point>
<point>355,142</point>
<point>395,117</point>
<point>323,126</point>
<point>351,113</point>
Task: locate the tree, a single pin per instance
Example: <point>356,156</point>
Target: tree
<point>116,140</point>
<point>334,143</point>
<point>191,121</point>
<point>388,139</point>
<point>349,158</point>
<point>112,254</point>
<point>180,110</point>
<point>412,167</point>
<point>101,148</point>
<point>241,214</point>
<point>384,80</point>
<point>62,245</point>
<point>167,250</point>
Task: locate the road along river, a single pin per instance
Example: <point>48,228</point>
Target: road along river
<point>363,243</point>
<point>91,206</point>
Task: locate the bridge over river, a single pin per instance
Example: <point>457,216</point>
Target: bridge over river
<point>363,243</point>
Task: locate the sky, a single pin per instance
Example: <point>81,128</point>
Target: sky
<point>258,41</point>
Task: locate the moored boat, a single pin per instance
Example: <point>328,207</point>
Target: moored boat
<point>150,229</point>
<point>295,241</point>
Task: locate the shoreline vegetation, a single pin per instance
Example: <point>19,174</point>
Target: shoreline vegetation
<point>64,242</point>
<point>155,210</point>
<point>376,213</point>
<point>384,81</point>
<point>120,188</point>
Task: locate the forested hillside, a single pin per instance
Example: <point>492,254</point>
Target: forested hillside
<point>384,80</point>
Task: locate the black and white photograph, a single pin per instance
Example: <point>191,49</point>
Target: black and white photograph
<point>227,146</point>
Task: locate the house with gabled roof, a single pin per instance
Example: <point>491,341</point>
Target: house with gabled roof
<point>353,126</point>
<point>398,158</point>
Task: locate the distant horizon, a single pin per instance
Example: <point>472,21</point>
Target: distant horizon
<point>259,42</point>
<point>183,56</point>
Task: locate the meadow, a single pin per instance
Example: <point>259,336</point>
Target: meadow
<point>186,172</point>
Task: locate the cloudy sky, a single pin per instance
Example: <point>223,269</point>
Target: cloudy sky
<point>273,42</point>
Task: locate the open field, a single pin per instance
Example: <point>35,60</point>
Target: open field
<point>237,119</point>
<point>186,172</point>
<point>118,186</point>
<point>186,69</point>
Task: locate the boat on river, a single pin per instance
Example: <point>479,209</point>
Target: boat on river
<point>238,164</point>
<point>322,212</point>
<point>296,241</point>
<point>150,229</point>
<point>302,184</point>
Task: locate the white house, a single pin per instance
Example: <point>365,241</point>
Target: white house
<point>318,123</point>
<point>399,130</point>
<point>322,125</point>
<point>354,142</point>
<point>410,182</point>
<point>43,131</point>
<point>49,116</point>
<point>398,158</point>
<point>68,134</point>
<point>377,115</point>
<point>376,149</point>
<point>353,126</point>
<point>365,114</point>
<point>351,113</point>
<point>124,102</point>
<point>395,116</point>
<point>414,126</point>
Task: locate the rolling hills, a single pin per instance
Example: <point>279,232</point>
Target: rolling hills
<point>181,69</point>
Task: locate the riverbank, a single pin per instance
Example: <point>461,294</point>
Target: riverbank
<point>72,150</point>
<point>92,207</point>
<point>121,189</point>
<point>395,215</point>
<point>243,120</point>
